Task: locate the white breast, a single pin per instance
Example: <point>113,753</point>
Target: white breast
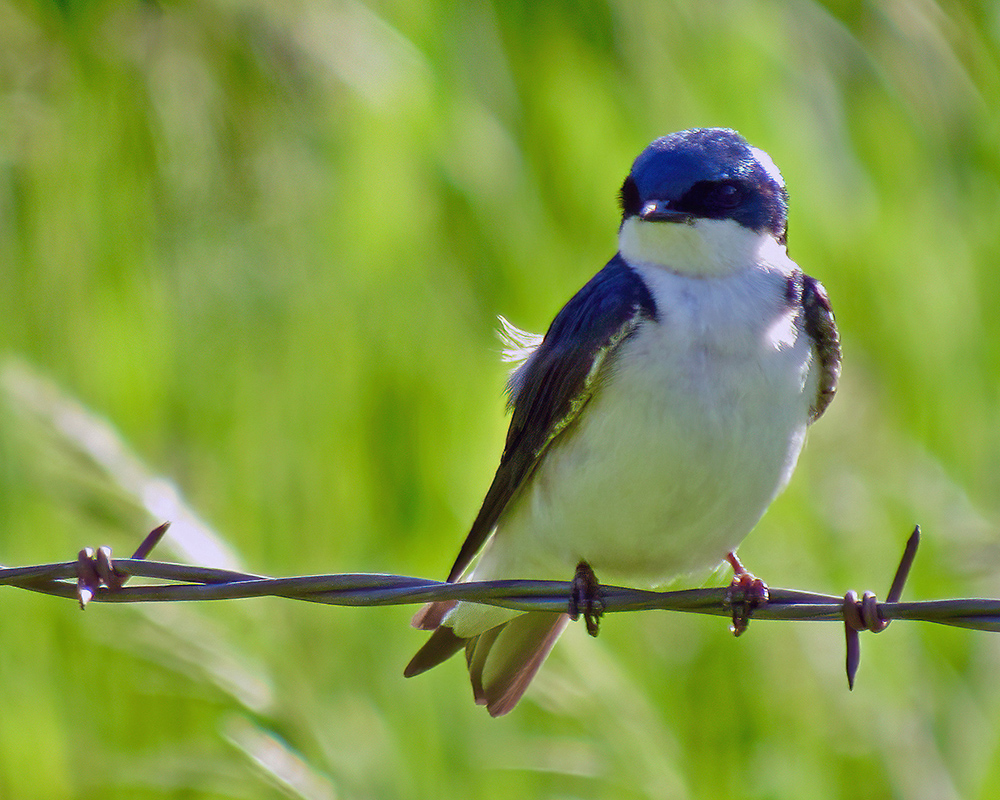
<point>682,448</point>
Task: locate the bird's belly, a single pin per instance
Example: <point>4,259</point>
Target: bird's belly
<point>669,466</point>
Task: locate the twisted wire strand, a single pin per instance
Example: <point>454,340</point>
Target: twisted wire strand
<point>98,577</point>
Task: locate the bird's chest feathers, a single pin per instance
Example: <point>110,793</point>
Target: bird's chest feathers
<point>723,351</point>
<point>689,435</point>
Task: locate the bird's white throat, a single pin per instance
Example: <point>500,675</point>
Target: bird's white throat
<point>704,248</point>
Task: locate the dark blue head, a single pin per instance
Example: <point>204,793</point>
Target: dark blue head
<point>706,173</point>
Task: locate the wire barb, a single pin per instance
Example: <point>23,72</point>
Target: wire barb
<point>867,614</point>
<point>96,570</point>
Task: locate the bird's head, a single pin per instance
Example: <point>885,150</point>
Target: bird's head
<point>702,202</point>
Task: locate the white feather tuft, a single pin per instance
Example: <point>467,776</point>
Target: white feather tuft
<point>518,345</point>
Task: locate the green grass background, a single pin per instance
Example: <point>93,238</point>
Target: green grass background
<point>266,242</point>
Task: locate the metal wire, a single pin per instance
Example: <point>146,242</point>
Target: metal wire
<point>98,577</point>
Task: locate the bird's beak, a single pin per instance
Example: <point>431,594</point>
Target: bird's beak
<point>660,211</point>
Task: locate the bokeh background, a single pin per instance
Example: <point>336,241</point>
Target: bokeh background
<point>258,249</point>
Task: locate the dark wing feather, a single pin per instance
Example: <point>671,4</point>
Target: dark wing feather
<point>556,383</point>
<point>822,328</point>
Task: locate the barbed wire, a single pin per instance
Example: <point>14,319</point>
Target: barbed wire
<point>95,576</point>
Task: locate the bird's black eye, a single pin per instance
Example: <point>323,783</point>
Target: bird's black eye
<point>724,196</point>
<point>714,199</point>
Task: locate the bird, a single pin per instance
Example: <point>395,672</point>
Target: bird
<point>659,416</point>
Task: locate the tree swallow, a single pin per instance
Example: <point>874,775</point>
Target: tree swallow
<point>661,413</point>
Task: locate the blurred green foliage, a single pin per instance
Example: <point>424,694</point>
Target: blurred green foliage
<point>267,243</point>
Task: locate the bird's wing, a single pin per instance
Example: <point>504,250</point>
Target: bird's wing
<point>550,390</point>
<point>822,328</point>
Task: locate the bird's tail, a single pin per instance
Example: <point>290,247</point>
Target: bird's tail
<point>502,660</point>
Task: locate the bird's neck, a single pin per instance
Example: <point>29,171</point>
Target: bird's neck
<point>705,248</point>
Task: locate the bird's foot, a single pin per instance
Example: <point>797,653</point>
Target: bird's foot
<point>745,595</point>
<point>585,598</point>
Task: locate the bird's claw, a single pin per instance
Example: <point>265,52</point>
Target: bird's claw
<point>585,598</point>
<point>745,595</point>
